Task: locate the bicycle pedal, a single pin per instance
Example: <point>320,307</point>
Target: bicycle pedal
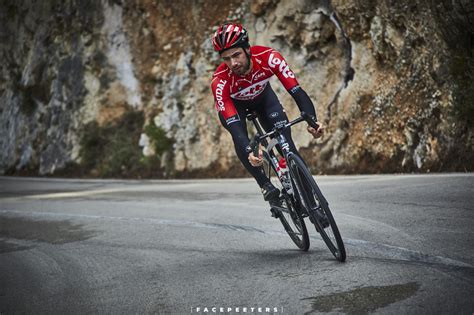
<point>275,213</point>
<point>324,221</point>
<point>322,217</point>
<point>325,224</point>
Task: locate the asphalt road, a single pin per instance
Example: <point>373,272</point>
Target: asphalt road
<point>97,246</point>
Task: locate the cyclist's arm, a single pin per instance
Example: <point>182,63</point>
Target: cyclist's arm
<point>287,77</point>
<point>303,101</point>
<point>223,102</point>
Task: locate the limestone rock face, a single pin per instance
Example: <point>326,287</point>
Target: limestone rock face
<point>67,64</point>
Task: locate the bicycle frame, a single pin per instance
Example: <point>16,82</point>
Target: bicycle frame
<point>280,140</point>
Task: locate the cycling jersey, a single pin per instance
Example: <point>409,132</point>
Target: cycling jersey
<point>227,86</point>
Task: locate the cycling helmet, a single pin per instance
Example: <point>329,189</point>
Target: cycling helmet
<point>230,35</point>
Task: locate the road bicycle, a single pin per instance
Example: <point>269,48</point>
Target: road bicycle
<point>300,196</point>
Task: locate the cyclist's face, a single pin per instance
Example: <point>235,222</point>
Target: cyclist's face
<point>236,60</point>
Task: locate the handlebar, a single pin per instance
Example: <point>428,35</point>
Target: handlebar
<point>253,145</point>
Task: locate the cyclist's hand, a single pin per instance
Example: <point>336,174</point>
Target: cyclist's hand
<point>316,133</point>
<point>256,161</point>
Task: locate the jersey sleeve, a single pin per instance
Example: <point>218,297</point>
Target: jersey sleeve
<point>280,68</point>
<point>223,102</point>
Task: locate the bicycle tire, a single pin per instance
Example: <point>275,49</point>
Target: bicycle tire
<point>291,220</point>
<point>314,202</point>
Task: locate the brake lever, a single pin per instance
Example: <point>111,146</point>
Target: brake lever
<point>309,120</point>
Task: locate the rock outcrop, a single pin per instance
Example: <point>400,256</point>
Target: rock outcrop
<point>70,68</point>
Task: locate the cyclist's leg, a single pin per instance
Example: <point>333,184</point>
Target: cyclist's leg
<point>271,113</point>
<point>238,130</point>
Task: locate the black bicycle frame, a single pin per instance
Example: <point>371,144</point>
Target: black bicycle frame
<point>261,137</point>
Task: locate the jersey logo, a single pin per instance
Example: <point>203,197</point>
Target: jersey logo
<point>252,91</point>
<point>284,69</point>
<point>258,75</point>
<point>220,87</point>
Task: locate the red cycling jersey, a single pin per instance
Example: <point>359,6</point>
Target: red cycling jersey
<point>226,85</point>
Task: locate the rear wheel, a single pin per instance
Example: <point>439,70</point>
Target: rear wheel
<point>316,206</point>
<point>291,220</point>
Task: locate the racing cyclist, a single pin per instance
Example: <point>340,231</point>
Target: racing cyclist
<point>240,83</point>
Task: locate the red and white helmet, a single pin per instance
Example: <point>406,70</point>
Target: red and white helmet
<point>230,35</point>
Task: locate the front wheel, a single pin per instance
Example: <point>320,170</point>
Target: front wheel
<point>316,206</point>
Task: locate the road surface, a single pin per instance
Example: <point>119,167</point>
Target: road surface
<point>207,246</point>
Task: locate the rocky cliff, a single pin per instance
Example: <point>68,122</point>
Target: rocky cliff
<point>121,88</point>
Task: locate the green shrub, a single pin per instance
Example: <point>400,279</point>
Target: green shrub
<point>158,138</point>
<point>112,150</point>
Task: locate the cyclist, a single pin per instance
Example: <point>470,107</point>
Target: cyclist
<point>240,83</point>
